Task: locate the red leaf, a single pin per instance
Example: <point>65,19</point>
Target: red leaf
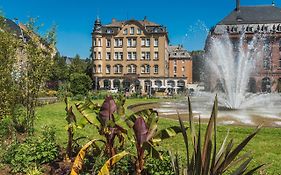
<point>107,109</point>
<point>141,130</point>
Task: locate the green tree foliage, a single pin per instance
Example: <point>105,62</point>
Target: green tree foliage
<point>8,45</point>
<point>59,70</point>
<point>25,65</point>
<point>39,54</point>
<point>80,83</point>
<point>78,65</point>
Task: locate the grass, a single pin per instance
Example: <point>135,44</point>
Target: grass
<point>265,147</point>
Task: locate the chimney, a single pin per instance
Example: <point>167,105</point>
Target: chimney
<point>113,20</point>
<point>237,5</point>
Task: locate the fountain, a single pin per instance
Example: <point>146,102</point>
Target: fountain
<point>230,67</point>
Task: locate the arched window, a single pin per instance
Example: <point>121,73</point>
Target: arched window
<point>118,69</point>
<point>99,68</point>
<point>107,70</point>
<point>94,68</point>
<point>145,69</point>
<point>131,69</point>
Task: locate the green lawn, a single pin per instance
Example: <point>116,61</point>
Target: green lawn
<point>265,147</point>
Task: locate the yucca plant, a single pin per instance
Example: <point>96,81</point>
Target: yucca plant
<point>206,159</point>
<point>146,136</point>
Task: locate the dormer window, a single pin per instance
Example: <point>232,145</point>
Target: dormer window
<point>132,31</point>
<point>125,32</point>
<point>108,31</point>
<point>138,31</point>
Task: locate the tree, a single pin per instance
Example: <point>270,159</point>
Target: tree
<point>80,83</point>
<point>59,72</point>
<point>8,45</point>
<point>78,65</point>
<point>39,53</point>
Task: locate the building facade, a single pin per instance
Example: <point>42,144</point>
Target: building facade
<point>252,20</point>
<point>132,55</point>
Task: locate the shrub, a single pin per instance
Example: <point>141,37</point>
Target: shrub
<point>158,166</point>
<point>80,83</point>
<point>32,152</point>
<point>6,127</point>
<point>19,118</point>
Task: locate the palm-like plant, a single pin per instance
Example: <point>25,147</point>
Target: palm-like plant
<point>207,159</point>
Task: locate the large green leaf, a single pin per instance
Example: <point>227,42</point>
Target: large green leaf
<point>167,133</point>
<point>89,111</point>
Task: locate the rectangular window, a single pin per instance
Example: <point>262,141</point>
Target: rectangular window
<point>99,55</point>
<point>94,42</point>
<point>175,69</point>
<point>134,56</point>
<point>183,69</point>
<point>279,63</point>
<point>108,55</point>
<point>129,55</point>
<point>118,43</point>
<point>142,42</point>
<point>99,42</point>
<point>108,43</point>
<point>138,31</point>
<point>147,55</point>
<point>147,43</point>
<point>94,55</point>
<point>118,55</point>
<point>134,42</point>
<point>130,42</point>
<point>156,69</point>
<point>132,30</point>
<point>156,56</point>
<point>175,62</point>
<point>143,55</point>
<point>156,42</point>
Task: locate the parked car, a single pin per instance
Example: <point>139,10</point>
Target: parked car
<point>113,90</point>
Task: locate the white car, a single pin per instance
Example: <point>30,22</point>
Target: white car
<point>114,90</point>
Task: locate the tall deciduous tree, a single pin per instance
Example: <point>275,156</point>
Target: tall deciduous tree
<point>8,45</point>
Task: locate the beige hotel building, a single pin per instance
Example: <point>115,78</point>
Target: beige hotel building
<point>135,55</point>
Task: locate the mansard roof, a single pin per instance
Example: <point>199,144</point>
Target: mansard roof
<point>145,25</point>
<point>253,15</point>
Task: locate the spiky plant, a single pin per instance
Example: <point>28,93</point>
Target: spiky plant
<point>206,159</point>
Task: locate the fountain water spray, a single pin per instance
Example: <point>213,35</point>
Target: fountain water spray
<point>231,65</point>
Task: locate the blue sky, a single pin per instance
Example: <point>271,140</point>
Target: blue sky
<point>185,19</point>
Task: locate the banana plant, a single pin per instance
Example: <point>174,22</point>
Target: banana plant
<point>71,121</point>
<point>206,159</point>
<point>105,170</point>
<point>105,118</point>
<point>146,136</point>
